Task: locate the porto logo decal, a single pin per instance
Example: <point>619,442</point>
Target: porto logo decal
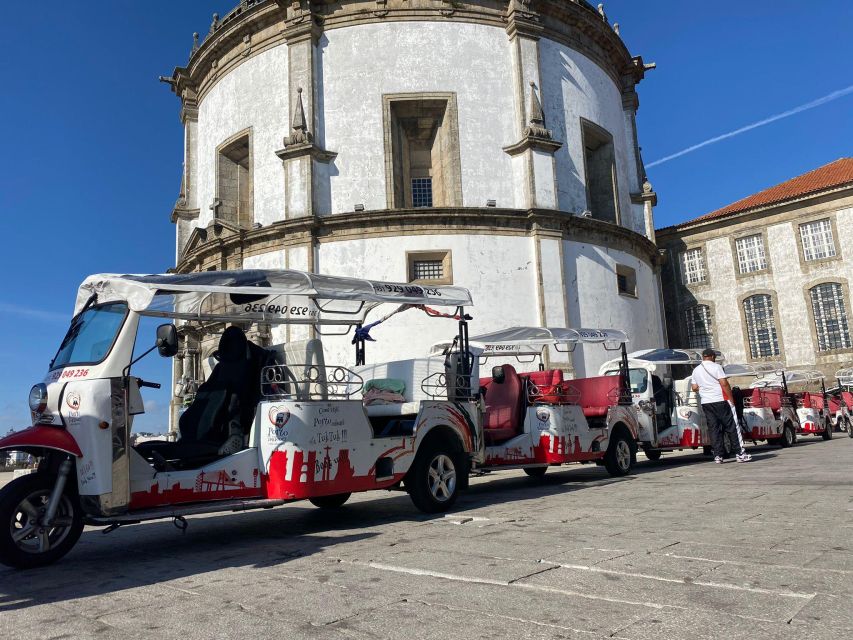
<point>543,415</point>
<point>73,401</point>
<point>279,416</point>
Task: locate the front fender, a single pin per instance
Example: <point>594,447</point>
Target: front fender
<point>41,437</point>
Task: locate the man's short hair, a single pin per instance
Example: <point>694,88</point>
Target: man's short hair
<point>709,353</point>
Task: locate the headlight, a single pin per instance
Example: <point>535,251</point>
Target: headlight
<point>38,398</point>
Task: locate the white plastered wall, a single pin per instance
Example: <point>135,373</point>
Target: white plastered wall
<point>254,94</point>
<point>362,63</point>
<point>594,301</point>
<point>575,87</point>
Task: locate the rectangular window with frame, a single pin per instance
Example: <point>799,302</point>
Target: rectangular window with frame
<point>626,281</point>
<point>693,266</point>
<point>750,253</point>
<point>700,334</point>
<point>830,316</point>
<point>817,240</point>
<point>430,267</point>
<point>421,192</point>
<point>761,326</point>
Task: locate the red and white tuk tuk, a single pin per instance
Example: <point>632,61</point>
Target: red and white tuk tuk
<point>841,401</point>
<point>765,410</point>
<point>537,419</point>
<point>267,426</point>
<point>668,410</point>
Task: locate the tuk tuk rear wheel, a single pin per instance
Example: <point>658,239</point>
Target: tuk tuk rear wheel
<point>789,436</point>
<point>849,428</point>
<point>653,454</point>
<point>24,542</point>
<point>330,502</point>
<point>432,482</point>
<point>619,457</point>
<point>535,472</point>
<point>827,430</point>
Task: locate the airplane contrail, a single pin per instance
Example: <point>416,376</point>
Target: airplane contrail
<point>785,114</point>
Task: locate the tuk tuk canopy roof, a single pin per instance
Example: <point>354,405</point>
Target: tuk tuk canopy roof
<point>261,295</point>
<point>670,356</point>
<point>845,376</point>
<point>755,369</point>
<point>792,377</point>
<point>527,341</point>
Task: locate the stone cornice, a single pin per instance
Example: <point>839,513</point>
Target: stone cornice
<point>256,26</point>
<point>206,246</point>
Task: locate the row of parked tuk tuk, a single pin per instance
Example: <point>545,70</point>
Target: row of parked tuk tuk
<point>273,423</point>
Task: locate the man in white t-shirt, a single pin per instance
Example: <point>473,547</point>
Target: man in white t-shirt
<point>710,381</point>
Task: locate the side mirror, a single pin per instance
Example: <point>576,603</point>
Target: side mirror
<point>167,340</point>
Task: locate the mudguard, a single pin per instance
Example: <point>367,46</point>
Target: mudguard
<point>42,437</point>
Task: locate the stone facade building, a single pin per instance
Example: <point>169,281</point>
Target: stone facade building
<point>487,143</point>
<point>768,277</point>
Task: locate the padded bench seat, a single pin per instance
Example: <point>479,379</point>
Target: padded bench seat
<point>400,409</point>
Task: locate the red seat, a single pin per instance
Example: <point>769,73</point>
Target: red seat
<point>595,395</point>
<point>834,404</point>
<point>772,398</point>
<point>504,402</point>
<point>848,399</point>
<point>546,387</point>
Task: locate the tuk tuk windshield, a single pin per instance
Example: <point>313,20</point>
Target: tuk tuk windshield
<point>91,335</point>
<point>638,378</point>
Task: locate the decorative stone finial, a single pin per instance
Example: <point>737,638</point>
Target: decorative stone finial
<point>300,134</point>
<point>195,43</point>
<point>616,28</point>
<point>537,116</point>
<point>601,12</point>
<point>215,24</point>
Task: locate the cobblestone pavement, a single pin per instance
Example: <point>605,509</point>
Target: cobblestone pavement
<point>682,549</point>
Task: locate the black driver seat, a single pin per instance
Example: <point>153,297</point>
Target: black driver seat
<point>230,394</point>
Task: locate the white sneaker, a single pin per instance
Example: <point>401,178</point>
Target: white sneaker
<point>743,457</point>
<point>718,460</point>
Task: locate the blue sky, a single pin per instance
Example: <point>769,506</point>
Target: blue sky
<point>91,162</point>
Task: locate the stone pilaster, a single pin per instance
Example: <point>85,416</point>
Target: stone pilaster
<point>303,155</point>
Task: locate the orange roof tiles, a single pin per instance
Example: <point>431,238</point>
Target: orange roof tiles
<point>831,175</point>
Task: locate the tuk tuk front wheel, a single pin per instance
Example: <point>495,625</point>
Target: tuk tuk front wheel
<point>24,541</point>
<point>827,430</point>
<point>849,428</point>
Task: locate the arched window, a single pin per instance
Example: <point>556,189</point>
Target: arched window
<point>761,326</point>
<point>700,333</point>
<point>830,316</point>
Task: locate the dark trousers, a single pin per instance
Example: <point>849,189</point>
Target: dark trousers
<point>719,417</point>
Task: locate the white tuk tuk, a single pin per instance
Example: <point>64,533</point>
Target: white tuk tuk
<point>270,424</point>
<point>807,390</point>
<point>668,410</point>
<point>841,400</point>
<point>765,409</point>
<point>537,419</point>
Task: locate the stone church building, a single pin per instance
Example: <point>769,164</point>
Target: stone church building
<point>768,277</point>
<point>490,144</point>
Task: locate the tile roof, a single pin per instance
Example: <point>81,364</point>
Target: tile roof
<point>828,176</point>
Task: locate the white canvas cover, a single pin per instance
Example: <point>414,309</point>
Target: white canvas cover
<point>270,296</point>
<point>845,376</point>
<point>756,369</point>
<point>528,341</point>
<point>797,377</point>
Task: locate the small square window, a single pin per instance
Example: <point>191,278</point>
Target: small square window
<point>421,192</point>
<point>430,267</point>
<point>626,280</point>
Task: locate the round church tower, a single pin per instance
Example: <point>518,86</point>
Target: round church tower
<point>486,143</point>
